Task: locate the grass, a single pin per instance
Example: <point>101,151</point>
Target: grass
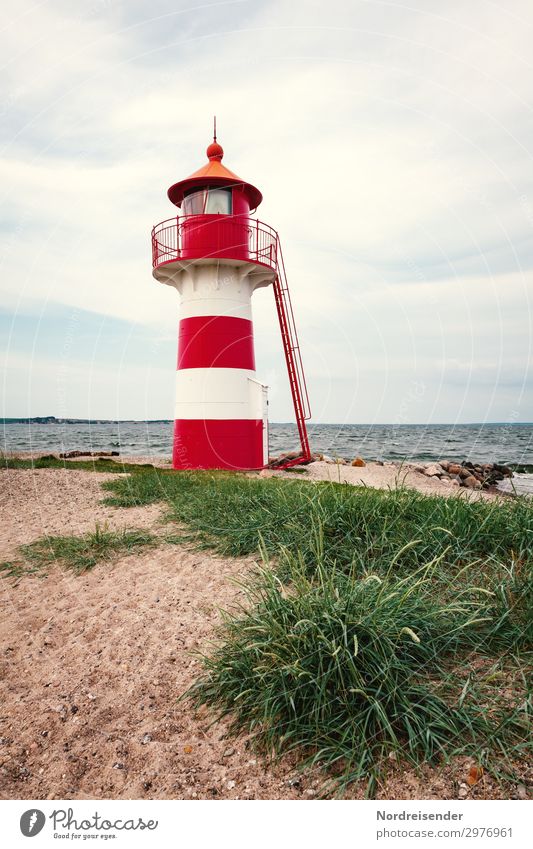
<point>350,668</point>
<point>359,525</point>
<point>78,553</point>
<point>360,638</point>
<point>364,633</point>
<point>50,461</point>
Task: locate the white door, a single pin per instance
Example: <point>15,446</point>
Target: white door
<point>265,423</point>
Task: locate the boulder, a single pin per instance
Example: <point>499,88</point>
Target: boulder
<point>471,482</point>
<point>504,470</point>
<point>433,470</point>
<point>358,462</point>
<point>454,469</point>
<point>444,464</point>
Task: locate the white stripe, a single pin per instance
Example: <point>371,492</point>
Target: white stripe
<point>218,393</point>
<point>231,307</point>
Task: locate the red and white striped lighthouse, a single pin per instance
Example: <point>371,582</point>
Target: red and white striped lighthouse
<point>215,254</point>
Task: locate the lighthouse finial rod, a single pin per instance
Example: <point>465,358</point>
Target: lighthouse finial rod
<point>214,128</point>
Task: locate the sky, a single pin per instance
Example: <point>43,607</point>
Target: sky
<point>392,143</point>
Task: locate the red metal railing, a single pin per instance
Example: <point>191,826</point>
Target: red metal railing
<point>239,237</point>
<point>223,236</point>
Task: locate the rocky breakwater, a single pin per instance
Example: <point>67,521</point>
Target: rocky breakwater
<point>466,474</point>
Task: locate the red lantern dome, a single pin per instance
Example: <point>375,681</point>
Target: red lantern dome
<point>213,173</point>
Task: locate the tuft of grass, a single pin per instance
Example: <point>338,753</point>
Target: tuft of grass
<point>81,553</point>
<point>358,523</point>
<point>348,669</point>
<point>50,461</point>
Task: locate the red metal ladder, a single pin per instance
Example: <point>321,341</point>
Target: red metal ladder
<point>293,357</point>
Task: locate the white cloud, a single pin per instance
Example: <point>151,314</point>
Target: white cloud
<point>391,145</point>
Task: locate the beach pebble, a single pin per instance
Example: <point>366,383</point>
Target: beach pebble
<point>230,785</point>
<point>358,462</point>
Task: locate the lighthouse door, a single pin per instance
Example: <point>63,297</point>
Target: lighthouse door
<point>259,411</point>
<point>264,389</point>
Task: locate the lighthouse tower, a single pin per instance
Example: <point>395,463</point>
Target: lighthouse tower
<point>216,254</point>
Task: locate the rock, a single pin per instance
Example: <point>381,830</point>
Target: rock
<point>230,785</point>
<point>68,454</point>
<point>504,470</point>
<point>463,791</point>
<point>465,473</point>
<point>472,482</point>
<point>358,462</point>
<point>455,482</point>
<point>146,739</point>
<point>444,464</point>
<point>454,469</point>
<point>294,782</point>
<point>446,481</point>
<point>340,461</point>
<point>118,766</point>
<point>327,459</point>
<point>433,470</point>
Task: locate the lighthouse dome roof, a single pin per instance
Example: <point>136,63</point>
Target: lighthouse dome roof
<point>214,173</point>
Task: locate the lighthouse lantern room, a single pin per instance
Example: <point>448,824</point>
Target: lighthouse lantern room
<point>216,255</point>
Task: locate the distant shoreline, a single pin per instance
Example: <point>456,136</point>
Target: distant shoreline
<point>54,420</point>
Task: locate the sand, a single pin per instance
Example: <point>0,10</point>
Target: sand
<point>92,666</point>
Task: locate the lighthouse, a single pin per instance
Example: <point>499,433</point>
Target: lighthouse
<point>216,254</point>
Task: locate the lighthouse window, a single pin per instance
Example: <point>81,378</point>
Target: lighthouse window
<point>207,201</point>
<point>193,203</point>
<point>218,201</point>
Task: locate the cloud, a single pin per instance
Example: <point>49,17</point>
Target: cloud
<point>392,148</point>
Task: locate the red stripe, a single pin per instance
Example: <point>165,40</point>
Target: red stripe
<point>216,341</point>
<point>218,444</point>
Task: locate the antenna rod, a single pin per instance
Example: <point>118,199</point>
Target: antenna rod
<point>214,128</point>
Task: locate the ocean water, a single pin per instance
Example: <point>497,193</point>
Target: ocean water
<point>488,443</point>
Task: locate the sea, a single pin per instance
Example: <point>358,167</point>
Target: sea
<point>483,443</point>
<point>506,443</point>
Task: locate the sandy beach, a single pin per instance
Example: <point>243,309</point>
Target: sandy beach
<point>93,665</point>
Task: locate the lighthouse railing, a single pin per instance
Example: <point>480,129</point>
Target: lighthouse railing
<point>224,236</point>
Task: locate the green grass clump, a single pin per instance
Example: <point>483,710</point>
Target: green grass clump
<point>361,526</point>
<point>78,553</point>
<point>50,461</point>
<point>348,669</point>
